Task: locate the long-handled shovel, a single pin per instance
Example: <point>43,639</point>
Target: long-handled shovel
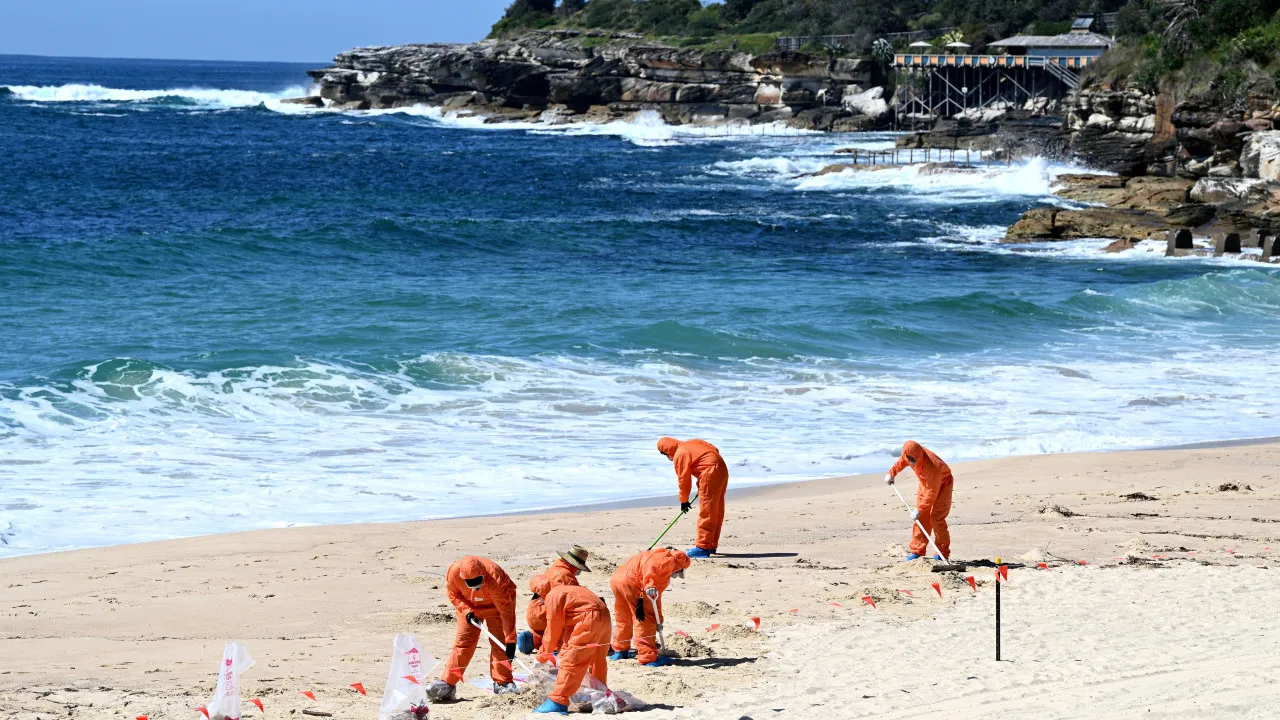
<point>500,645</point>
<point>662,643</point>
<point>946,563</point>
<point>672,524</point>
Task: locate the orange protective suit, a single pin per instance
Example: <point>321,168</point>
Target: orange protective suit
<point>577,626</point>
<point>649,569</point>
<point>560,573</point>
<point>701,459</point>
<point>933,497</point>
<point>495,600</point>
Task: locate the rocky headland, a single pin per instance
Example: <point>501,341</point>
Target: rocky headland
<point>570,76</point>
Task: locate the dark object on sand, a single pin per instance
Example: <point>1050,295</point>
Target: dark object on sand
<point>1139,496</point>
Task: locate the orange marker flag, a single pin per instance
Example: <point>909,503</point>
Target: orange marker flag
<point>411,679</point>
<point>756,621</point>
<point>714,627</point>
<point>837,604</point>
<point>359,687</point>
<point>204,711</point>
<point>938,589</point>
<point>972,583</point>
<point>868,600</point>
<point>258,702</point>
<point>1082,562</point>
<point>1002,572</point>
<point>309,695</point>
<point>142,717</point>
<point>1042,566</point>
<point>907,593</point>
<point>682,633</point>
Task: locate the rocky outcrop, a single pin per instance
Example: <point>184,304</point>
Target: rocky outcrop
<point>1113,130</point>
<point>1145,207</point>
<point>569,75</point>
<point>1011,134</point>
<point>1260,156</point>
<point>1051,223</point>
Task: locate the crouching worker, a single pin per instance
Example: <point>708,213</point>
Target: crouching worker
<point>933,499</point>
<point>480,592</point>
<point>578,627</point>
<point>700,459</point>
<point>637,603</point>
<point>562,572</point>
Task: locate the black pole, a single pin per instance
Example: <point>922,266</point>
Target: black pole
<point>997,614</point>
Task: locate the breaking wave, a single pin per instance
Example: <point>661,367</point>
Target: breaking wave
<point>200,97</point>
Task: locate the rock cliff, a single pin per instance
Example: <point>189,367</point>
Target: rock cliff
<point>567,75</point>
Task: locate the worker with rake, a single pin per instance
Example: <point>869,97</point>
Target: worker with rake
<point>933,499</point>
<point>700,459</point>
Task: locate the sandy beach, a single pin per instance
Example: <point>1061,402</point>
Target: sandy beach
<point>1174,614</point>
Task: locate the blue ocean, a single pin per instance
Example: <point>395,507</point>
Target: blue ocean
<point>221,312</point>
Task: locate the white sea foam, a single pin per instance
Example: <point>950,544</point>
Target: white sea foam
<point>158,453</point>
<point>204,97</point>
<point>646,128</point>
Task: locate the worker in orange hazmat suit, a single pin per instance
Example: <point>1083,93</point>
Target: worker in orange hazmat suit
<point>578,627</point>
<point>933,498</point>
<point>637,587</point>
<point>700,459</point>
<point>562,572</point>
<point>480,592</point>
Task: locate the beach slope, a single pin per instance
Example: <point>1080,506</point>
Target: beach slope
<point>1172,616</point>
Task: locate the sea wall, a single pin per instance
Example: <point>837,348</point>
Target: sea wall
<point>572,76</point>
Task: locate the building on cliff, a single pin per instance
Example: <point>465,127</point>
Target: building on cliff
<point>1026,71</point>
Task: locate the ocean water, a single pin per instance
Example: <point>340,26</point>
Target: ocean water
<point>219,312</point>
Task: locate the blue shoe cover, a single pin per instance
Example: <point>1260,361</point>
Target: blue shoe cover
<point>662,661</point>
<point>912,556</point>
<point>551,706</point>
<point>622,654</point>
<point>937,557</point>
<point>524,642</point>
<point>697,552</point>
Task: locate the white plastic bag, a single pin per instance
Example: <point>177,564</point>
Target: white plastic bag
<point>403,698</point>
<point>602,699</point>
<point>225,704</point>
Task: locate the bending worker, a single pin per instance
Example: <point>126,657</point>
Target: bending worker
<point>933,498</point>
<point>577,626</point>
<point>637,603</point>
<point>700,459</point>
<point>562,572</point>
<point>480,592</point>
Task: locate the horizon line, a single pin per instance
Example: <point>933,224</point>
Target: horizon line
<point>162,59</point>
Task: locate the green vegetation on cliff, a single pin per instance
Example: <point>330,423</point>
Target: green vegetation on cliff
<point>1229,48</point>
<point>692,22</point>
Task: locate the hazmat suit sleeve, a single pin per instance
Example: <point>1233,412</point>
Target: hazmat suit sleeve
<point>505,600</point>
<point>555,626</point>
<point>899,466</point>
<point>656,571</point>
<point>683,461</point>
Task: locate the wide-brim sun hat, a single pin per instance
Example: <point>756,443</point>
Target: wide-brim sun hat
<point>577,557</point>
